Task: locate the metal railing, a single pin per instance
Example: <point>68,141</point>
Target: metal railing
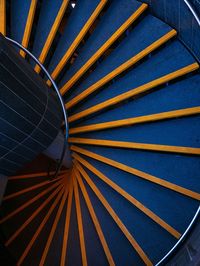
<point>193,11</point>
<point>181,240</point>
<point>191,225</point>
<point>59,96</point>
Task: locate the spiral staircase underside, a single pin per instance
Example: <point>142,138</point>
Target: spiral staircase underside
<point>131,90</point>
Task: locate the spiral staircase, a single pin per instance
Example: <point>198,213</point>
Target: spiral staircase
<point>131,88</point>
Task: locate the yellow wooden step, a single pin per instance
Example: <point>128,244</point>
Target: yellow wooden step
<point>52,34</point>
<point>120,69</point>
<point>3,17</point>
<point>77,41</point>
<point>137,120</point>
<point>28,27</point>
<point>136,91</point>
<point>103,48</point>
<point>135,145</point>
<point>136,172</point>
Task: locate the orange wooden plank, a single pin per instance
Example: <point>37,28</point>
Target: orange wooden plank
<point>41,226</point>
<point>80,222</point>
<point>120,69</point>
<point>52,34</point>
<point>133,92</point>
<point>77,41</point>
<point>18,193</point>
<point>29,202</point>
<point>137,120</point>
<point>136,172</point>
<point>95,219</point>
<point>67,223</point>
<point>3,17</point>
<point>136,145</point>
<point>128,197</point>
<point>41,174</point>
<point>113,214</point>
<point>103,48</point>
<point>28,27</point>
<point>34,214</point>
<point>54,226</point>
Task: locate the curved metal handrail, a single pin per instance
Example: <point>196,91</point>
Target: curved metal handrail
<point>179,242</point>
<point>193,11</point>
<point>59,96</point>
<point>182,238</point>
